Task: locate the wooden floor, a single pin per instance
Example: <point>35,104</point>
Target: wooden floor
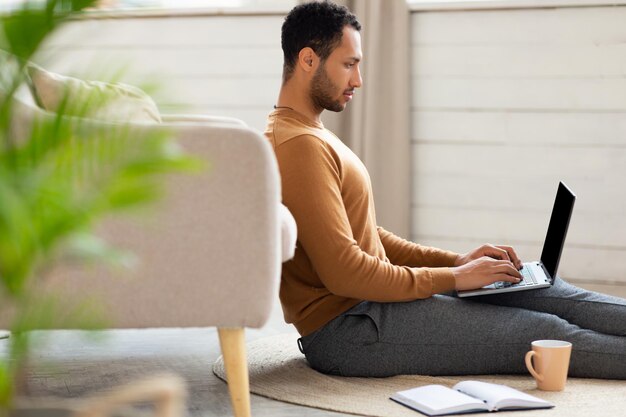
<point>79,366</point>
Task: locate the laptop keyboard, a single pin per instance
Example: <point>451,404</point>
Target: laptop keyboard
<point>527,279</point>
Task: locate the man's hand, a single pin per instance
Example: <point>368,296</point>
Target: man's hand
<point>501,252</point>
<point>486,265</point>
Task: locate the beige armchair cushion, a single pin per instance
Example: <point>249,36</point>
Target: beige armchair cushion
<point>115,102</point>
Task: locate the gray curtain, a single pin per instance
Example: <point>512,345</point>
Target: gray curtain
<point>376,125</point>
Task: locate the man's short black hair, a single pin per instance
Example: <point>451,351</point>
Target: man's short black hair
<point>317,25</point>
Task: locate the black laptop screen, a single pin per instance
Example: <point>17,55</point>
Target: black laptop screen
<point>557,229</point>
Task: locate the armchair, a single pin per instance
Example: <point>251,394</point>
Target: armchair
<point>209,256</point>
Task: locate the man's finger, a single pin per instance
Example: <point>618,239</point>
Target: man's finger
<point>508,269</point>
<point>512,255</point>
<point>496,252</point>
<point>508,278</point>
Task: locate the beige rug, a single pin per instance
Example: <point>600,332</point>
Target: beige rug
<point>278,370</point>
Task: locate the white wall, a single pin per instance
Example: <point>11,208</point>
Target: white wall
<point>505,104</point>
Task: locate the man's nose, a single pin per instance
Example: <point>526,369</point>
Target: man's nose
<point>357,81</point>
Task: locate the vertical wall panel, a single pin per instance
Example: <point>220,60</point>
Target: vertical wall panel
<point>505,104</point>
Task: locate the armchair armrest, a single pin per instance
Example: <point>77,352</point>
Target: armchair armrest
<point>212,254</point>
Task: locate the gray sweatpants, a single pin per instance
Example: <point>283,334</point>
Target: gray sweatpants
<point>446,335</point>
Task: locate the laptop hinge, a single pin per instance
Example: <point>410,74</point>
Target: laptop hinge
<point>547,273</point>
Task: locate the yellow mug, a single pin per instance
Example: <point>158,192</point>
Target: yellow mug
<point>548,362</point>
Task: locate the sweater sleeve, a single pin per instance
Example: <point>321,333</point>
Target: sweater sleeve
<point>312,190</point>
<point>403,252</point>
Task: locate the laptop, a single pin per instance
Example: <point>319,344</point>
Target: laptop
<point>540,274</point>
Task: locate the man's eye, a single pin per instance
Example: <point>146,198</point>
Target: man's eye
<point>349,65</point>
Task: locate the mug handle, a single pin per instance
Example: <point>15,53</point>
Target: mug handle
<point>529,365</point>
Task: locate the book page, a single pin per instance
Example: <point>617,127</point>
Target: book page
<point>500,396</point>
<point>436,399</point>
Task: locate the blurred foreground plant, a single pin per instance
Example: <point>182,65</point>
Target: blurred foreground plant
<point>57,183</point>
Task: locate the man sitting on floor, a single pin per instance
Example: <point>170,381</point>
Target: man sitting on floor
<point>369,303</point>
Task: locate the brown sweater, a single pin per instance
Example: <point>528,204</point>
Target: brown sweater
<point>342,257</point>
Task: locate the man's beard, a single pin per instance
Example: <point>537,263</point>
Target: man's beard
<point>321,89</point>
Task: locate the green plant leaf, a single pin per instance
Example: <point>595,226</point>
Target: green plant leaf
<point>57,184</point>
<point>89,248</point>
<point>6,386</point>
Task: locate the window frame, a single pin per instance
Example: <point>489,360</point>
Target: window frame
<point>450,5</point>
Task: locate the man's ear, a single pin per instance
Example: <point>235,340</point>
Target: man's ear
<point>307,59</point>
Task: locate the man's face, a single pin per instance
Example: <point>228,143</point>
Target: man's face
<point>334,81</point>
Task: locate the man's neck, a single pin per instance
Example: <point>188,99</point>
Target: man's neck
<point>298,101</point>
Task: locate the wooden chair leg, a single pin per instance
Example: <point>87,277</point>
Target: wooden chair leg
<point>232,343</point>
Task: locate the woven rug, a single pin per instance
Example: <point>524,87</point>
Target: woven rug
<point>279,371</point>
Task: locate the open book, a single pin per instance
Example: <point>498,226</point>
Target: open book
<point>467,397</point>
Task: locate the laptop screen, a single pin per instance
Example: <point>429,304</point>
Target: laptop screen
<point>557,229</point>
